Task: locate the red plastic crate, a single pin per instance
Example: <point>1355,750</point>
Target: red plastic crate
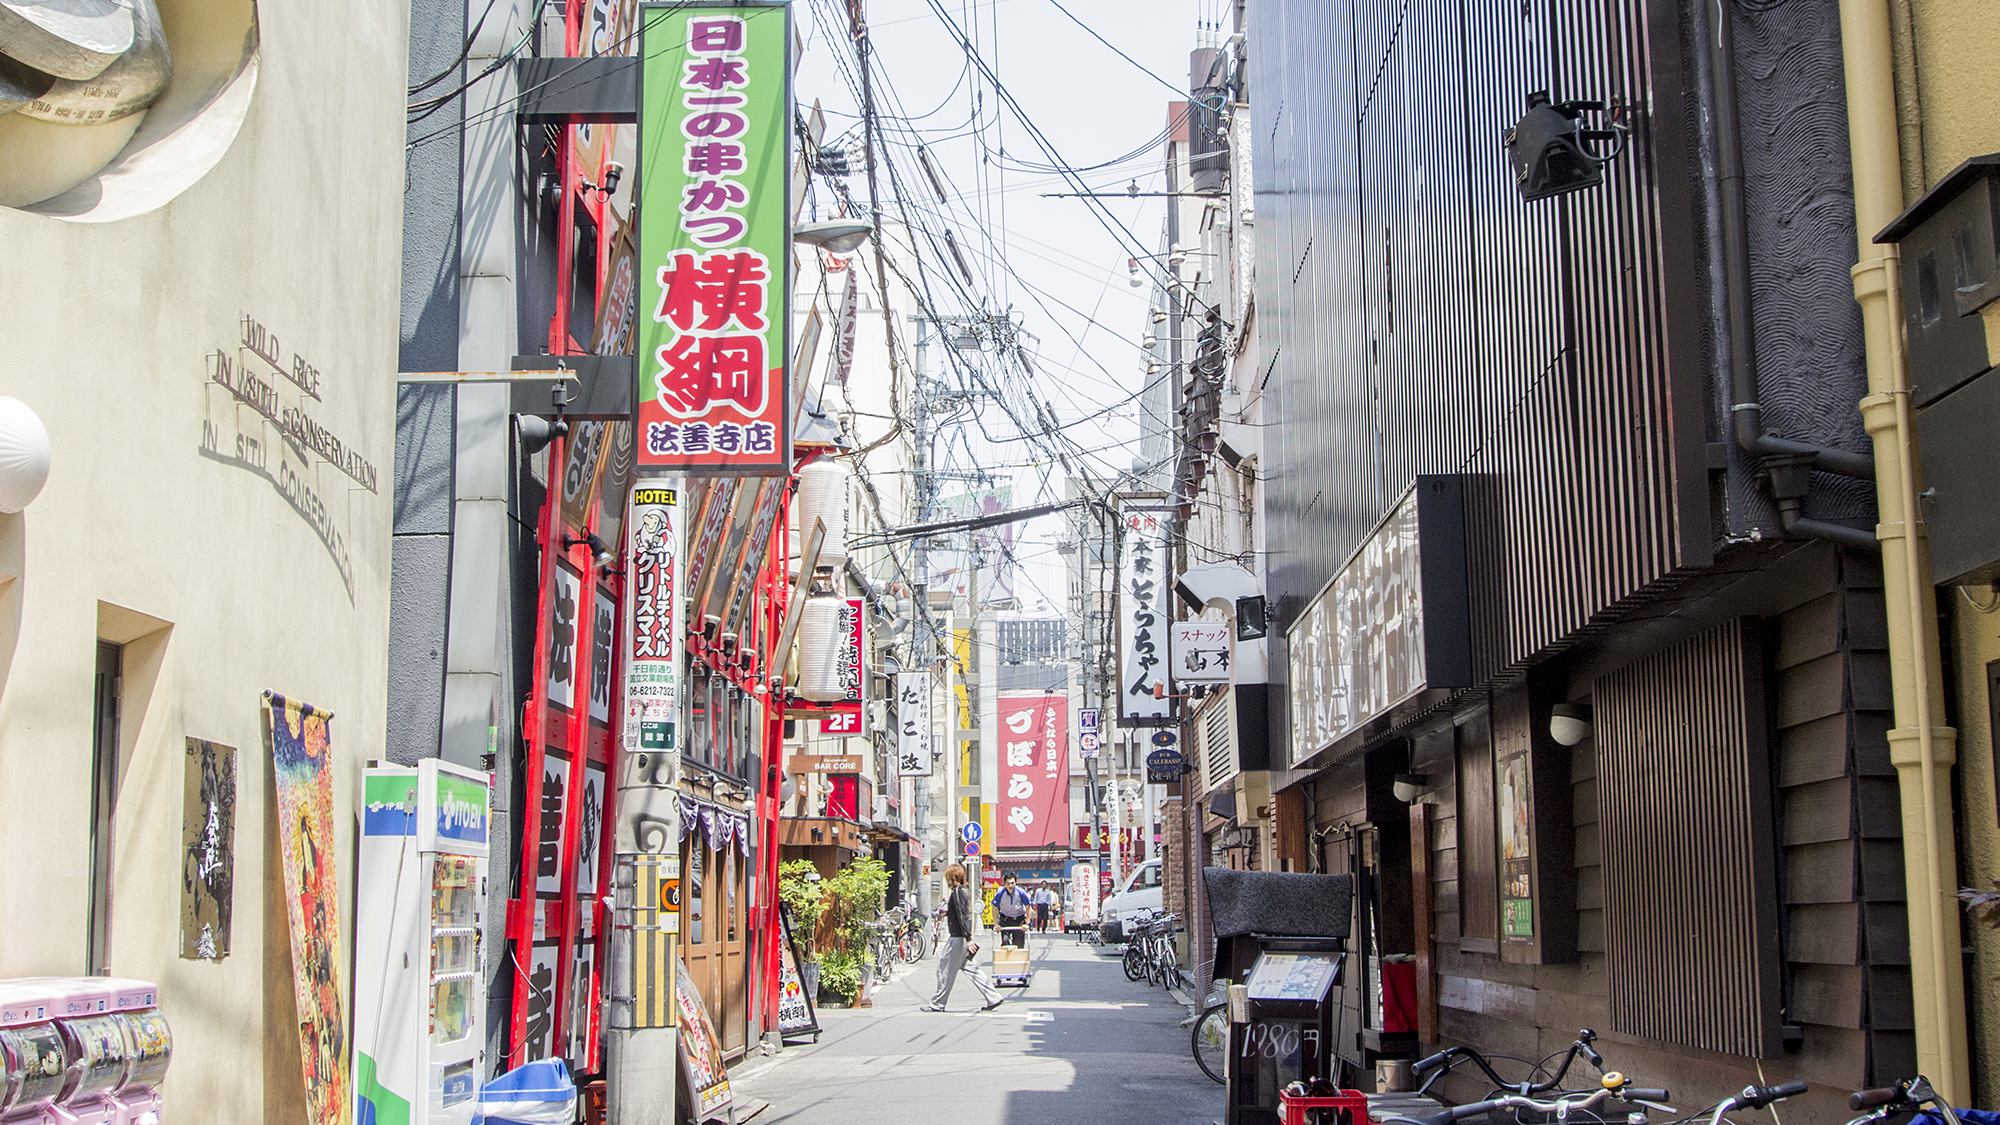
<point>1349,1107</point>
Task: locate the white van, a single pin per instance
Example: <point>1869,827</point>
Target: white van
<point>1141,892</point>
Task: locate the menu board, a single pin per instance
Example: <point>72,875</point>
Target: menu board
<point>795,1007</point>
<point>700,1050</point>
<point>1293,976</point>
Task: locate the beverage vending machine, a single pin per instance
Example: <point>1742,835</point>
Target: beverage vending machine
<point>81,1051</point>
<point>419,988</point>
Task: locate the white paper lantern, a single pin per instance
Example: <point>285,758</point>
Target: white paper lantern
<point>823,495</point>
<point>819,649</point>
<point>24,455</point>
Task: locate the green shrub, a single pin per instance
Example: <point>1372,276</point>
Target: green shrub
<point>840,975</point>
<point>804,895</point>
<point>853,900</point>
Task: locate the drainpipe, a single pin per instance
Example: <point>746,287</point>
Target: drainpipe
<point>1922,749</point>
<point>1787,464</point>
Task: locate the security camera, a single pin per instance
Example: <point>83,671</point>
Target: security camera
<point>612,172</point>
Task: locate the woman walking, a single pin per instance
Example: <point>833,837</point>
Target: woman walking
<point>958,950</point>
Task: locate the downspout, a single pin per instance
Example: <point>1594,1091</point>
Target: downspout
<point>1787,464</point>
<point>1922,749</point>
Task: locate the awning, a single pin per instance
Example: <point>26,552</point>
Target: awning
<point>884,828</point>
<point>1031,857</point>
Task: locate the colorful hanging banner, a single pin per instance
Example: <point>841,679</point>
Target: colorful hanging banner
<point>714,239</point>
<point>301,770</point>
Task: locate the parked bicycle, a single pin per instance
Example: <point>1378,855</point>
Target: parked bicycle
<point>1150,954</point>
<point>1908,1098</point>
<point>1211,1035</point>
<point>1536,1101</point>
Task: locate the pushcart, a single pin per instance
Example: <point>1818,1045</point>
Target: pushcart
<point>1010,962</point>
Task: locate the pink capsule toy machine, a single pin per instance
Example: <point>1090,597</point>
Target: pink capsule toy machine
<point>99,1055</point>
<point>34,1060</point>
<point>136,1004</point>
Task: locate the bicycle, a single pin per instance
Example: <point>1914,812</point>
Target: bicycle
<point>1149,952</point>
<point>1134,960</point>
<point>1211,1040</point>
<point>1903,1101</point>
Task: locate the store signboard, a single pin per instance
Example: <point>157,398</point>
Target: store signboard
<point>1086,732</point>
<point>1143,616</point>
<point>913,724</point>
<point>1033,810</point>
<point>652,589</point>
<point>1199,652</point>
<point>714,238</point>
<point>1391,623</point>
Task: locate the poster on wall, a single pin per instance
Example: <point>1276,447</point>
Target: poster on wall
<point>714,239</point>
<point>1033,810</point>
<point>208,849</point>
<point>652,669</point>
<point>1143,616</point>
<point>797,1017</point>
<point>301,770</point>
<point>913,725</point>
<point>1517,899</point>
<point>700,1049</point>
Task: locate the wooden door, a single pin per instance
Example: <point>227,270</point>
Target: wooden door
<point>733,901</point>
<point>698,943</point>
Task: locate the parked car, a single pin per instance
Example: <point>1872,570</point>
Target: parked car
<point>1142,891</point>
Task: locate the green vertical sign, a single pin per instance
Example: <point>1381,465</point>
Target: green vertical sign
<point>714,239</point>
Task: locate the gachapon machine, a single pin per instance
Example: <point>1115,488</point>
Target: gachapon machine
<point>82,1051</point>
<point>420,991</point>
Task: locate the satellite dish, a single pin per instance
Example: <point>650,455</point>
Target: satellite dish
<point>66,38</point>
<point>122,89</point>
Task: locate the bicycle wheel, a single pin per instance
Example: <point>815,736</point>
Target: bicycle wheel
<point>1170,967</point>
<point>1211,1041</point>
<point>912,947</point>
<point>1135,962</point>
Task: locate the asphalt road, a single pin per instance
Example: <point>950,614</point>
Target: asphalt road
<point>1081,1044</point>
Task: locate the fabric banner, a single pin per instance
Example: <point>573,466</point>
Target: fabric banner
<point>301,753</point>
<point>1033,808</point>
<point>715,239</point>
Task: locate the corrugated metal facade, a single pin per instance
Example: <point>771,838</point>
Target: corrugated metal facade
<point>1684,820</point>
<point>1421,318</point>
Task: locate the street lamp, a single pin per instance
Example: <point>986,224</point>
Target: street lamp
<point>835,236</point>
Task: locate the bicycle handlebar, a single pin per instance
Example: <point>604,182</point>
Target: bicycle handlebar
<point>1757,1097</point>
<point>1562,1107</point>
<point>1870,1099</point>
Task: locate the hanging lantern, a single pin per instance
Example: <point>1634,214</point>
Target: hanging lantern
<point>24,455</point>
<point>819,649</point>
<point>823,495</point>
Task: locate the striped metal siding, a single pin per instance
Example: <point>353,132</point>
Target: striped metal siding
<point>1418,317</point>
<point>1689,867</point>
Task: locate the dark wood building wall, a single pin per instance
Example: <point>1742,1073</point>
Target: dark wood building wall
<point>1843,948</point>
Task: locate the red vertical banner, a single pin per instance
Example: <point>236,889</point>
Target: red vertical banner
<point>1033,808</point>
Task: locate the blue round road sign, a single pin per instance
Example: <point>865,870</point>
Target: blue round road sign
<point>970,833</point>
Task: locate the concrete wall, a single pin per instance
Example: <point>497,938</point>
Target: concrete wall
<point>179,521</point>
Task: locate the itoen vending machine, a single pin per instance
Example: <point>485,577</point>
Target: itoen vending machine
<point>419,994</point>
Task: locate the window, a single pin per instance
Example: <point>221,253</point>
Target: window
<point>694,884</point>
<point>103,800</point>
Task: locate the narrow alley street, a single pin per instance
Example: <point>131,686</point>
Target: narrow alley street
<point>1079,1044</point>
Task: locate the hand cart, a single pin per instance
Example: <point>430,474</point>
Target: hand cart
<point>1010,963</point>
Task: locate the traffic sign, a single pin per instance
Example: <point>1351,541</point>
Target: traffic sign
<point>972,847</point>
<point>971,832</point>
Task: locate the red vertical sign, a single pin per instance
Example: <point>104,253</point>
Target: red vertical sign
<point>1034,772</point>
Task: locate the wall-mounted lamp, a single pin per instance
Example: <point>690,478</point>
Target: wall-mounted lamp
<point>1410,786</point>
<point>599,553</point>
<point>1569,723</point>
<point>1159,316</point>
<point>612,172</point>
<point>1549,147</point>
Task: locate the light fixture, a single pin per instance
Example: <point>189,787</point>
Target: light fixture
<point>1550,151</point>
<point>835,236</point>
<point>24,455</point>
<point>1150,340</point>
<point>599,553</point>
<point>1177,255</point>
<point>1153,368</point>
<point>1569,723</point>
<point>1159,315</point>
<point>1410,786</point>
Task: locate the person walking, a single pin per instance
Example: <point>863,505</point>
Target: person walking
<point>958,951</point>
<point>1045,907</point>
<point>1010,913</point>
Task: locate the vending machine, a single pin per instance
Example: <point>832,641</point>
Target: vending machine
<point>419,989</point>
